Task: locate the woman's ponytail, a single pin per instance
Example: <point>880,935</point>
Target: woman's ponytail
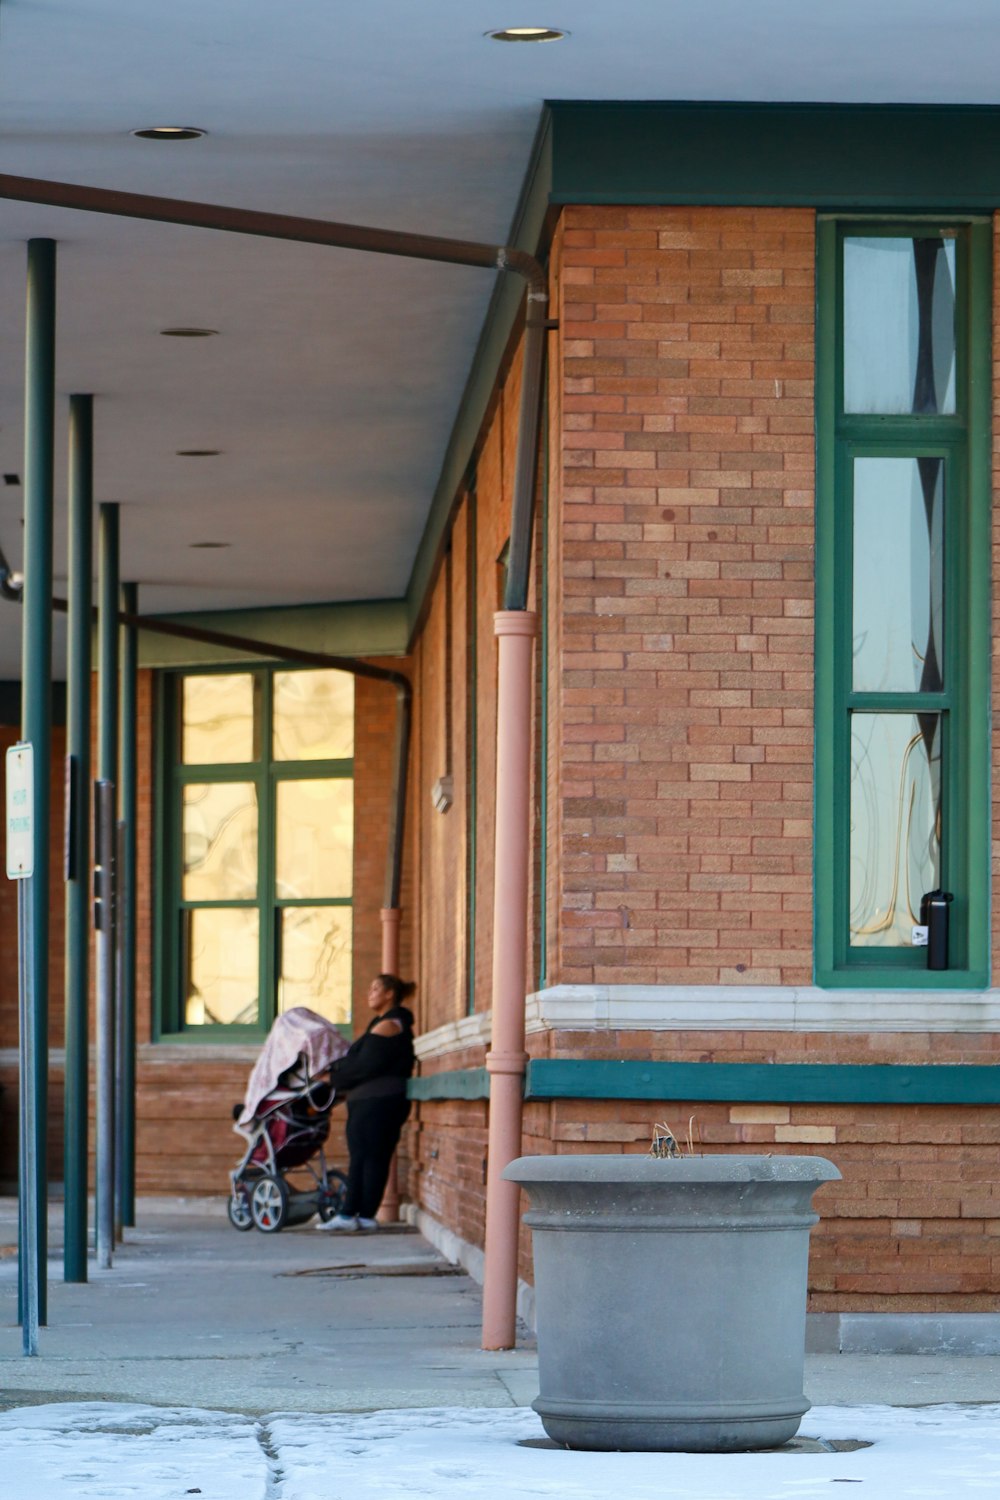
<point>401,989</point>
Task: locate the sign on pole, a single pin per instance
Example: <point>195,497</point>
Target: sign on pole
<point>20,812</point>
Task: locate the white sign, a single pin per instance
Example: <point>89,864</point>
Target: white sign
<point>20,812</point>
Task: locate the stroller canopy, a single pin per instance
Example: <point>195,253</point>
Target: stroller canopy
<point>300,1032</point>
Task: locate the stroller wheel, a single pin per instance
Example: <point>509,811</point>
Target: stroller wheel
<point>269,1204</point>
<point>238,1209</point>
<point>331,1194</point>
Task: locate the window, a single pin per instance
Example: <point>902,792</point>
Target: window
<point>258,836</point>
<point>902,630</point>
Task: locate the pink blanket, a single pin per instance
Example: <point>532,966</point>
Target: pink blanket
<point>300,1032</point>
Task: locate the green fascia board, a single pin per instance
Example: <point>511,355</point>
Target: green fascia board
<point>845,156</point>
<point>501,316</point>
<point>771,1083</point>
<point>361,628</point>
<point>454,1083</point>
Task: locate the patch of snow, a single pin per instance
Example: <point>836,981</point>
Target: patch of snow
<point>97,1450</point>
<point>110,1451</point>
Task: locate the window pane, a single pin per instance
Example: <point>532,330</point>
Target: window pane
<point>313,715</point>
<point>220,841</point>
<point>316,960</point>
<point>895,824</point>
<point>315,838</point>
<point>899,325</point>
<point>220,967</point>
<point>898,574</point>
<point>217,718</point>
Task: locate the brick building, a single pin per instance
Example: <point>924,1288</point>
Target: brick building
<point>761,569</point>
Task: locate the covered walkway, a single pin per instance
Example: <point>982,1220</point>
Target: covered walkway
<point>196,1314</point>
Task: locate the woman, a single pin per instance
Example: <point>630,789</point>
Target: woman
<point>373,1074</point>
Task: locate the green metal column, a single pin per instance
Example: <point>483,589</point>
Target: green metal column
<point>125,1139</point>
<point>107,774</point>
<point>36,725</point>
<point>78,673</point>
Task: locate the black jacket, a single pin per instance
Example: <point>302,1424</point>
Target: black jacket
<point>377,1067</point>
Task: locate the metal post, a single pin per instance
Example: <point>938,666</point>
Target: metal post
<point>125,1140</point>
<point>104,925</point>
<point>78,671</point>
<point>36,728</point>
<point>117,928</point>
<point>107,767</point>
<point>27,1217</point>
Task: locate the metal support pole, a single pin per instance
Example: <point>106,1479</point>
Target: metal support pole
<point>27,1218</point>
<point>506,1059</point>
<point>125,1139</point>
<point>78,673</point>
<point>107,767</point>
<point>104,925</point>
<point>36,728</point>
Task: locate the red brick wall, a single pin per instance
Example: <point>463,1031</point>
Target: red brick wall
<point>374,743</point>
<point>686,684</point>
<point>680,746</point>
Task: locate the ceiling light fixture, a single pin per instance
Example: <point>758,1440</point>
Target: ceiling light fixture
<point>189,333</point>
<point>198,452</point>
<point>169,133</point>
<point>527,34</point>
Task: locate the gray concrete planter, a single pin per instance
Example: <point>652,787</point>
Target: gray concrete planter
<point>671,1297</point>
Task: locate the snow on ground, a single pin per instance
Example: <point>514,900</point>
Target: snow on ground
<point>108,1451</point>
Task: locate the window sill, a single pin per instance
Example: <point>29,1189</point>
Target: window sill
<point>859,976</point>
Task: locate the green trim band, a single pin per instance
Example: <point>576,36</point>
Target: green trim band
<point>453,1083</point>
<point>785,1083</point>
<point>733,1083</point>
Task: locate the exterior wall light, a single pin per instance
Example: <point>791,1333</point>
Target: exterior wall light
<point>197,452</point>
<point>189,333</point>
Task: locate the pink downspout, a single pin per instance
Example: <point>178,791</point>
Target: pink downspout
<point>506,1059</point>
<point>390,917</point>
<point>388,1212</point>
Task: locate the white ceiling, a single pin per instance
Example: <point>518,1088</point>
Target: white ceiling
<point>334,382</point>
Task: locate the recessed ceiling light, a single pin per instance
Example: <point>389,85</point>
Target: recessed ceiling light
<point>527,34</point>
<point>198,452</point>
<point>208,546</point>
<point>189,333</point>
<point>169,133</point>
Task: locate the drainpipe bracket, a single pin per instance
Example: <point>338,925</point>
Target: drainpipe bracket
<point>507,1062</point>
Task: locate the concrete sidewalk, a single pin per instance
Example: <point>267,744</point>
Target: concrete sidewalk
<point>194,1313</point>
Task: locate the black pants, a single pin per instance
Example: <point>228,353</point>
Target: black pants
<point>373,1130</point>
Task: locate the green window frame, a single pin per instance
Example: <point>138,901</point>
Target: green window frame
<point>267,773</point>
<point>962,442</point>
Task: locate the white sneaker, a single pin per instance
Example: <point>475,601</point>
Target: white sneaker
<point>367,1223</point>
<point>339,1221</point>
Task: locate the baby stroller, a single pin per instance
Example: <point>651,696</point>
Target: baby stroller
<point>285,1120</point>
